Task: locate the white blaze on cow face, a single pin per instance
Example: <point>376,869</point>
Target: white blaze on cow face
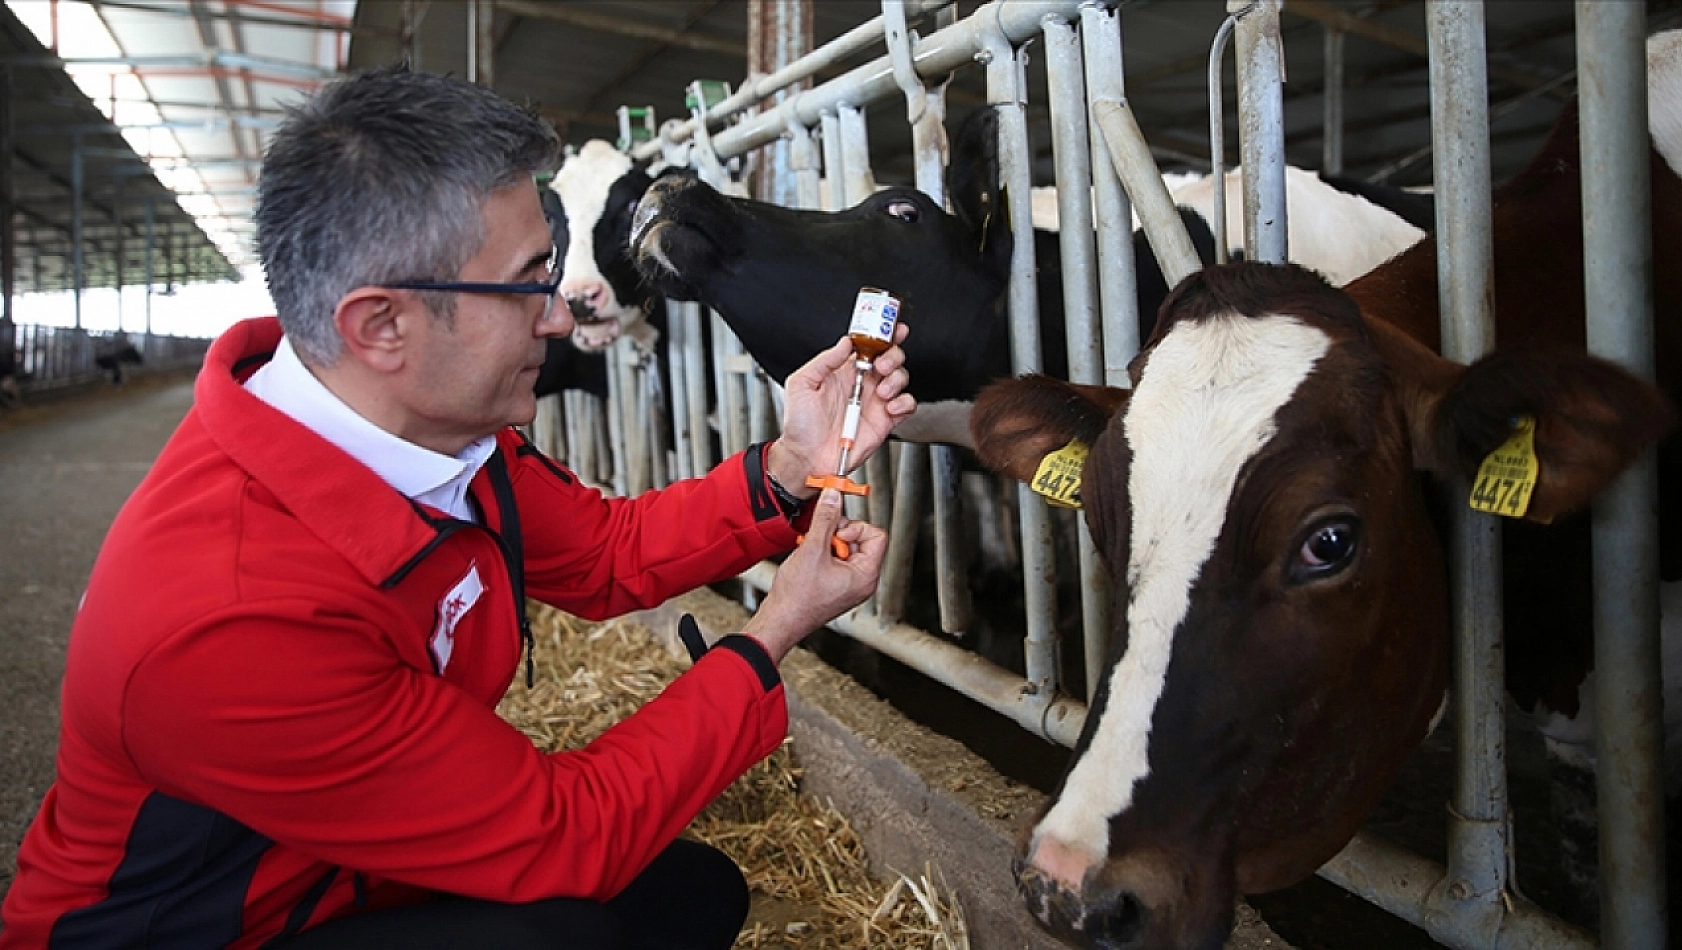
<point>583,183</point>
<point>1204,406</point>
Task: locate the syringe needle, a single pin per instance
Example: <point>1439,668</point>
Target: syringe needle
<point>850,421</point>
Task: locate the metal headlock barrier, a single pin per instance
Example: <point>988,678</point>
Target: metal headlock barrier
<point>1103,166</point>
<point>46,357</point>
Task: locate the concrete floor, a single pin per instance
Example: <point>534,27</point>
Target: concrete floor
<point>66,466</point>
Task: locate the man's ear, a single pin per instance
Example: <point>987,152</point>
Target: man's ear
<point>1592,417</point>
<point>372,323</point>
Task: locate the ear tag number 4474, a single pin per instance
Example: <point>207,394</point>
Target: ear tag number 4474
<point>1058,476</point>
<point>1508,475</point>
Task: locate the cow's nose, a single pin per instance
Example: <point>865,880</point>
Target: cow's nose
<point>1113,921</point>
<point>585,300</point>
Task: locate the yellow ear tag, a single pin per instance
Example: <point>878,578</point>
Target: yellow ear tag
<point>1058,477</point>
<point>1508,475</point>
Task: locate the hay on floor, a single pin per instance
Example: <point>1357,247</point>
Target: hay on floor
<point>811,885</point>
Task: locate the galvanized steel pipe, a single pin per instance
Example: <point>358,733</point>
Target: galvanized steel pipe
<point>1217,130</point>
<point>1402,883</point>
<point>1467,903</point>
<point>1261,128</point>
<point>1042,713</point>
<point>1132,160</point>
<point>1007,93</point>
<point>758,90</point>
<point>1618,283</point>
<point>1331,119</point>
<point>934,55</point>
<point>1118,291</point>
<point>1072,153</point>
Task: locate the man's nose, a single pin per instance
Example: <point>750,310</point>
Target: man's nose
<point>557,317</point>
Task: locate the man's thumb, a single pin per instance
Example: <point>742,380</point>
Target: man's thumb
<point>827,515</point>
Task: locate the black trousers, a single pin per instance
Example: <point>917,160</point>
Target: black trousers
<point>692,897</point>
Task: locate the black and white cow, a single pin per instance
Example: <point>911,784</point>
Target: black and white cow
<point>599,187</point>
<point>785,279</point>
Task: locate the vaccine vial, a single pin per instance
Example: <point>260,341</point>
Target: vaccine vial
<point>875,314</point>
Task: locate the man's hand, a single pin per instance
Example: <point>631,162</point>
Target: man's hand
<point>813,586</point>
<point>815,401</point>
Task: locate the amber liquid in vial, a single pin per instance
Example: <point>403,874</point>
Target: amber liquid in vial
<point>875,314</point>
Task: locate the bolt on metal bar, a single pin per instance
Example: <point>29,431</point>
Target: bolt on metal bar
<point>1618,284</point>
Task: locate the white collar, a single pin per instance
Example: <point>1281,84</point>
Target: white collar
<point>428,477</point>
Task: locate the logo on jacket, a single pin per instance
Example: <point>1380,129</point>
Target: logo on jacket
<point>451,609</point>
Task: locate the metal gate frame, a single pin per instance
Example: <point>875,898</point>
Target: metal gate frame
<point>1099,151</point>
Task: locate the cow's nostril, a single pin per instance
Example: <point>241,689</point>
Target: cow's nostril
<point>583,307</point>
<point>1117,926</point>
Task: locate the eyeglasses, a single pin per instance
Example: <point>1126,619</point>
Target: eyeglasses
<point>548,289</point>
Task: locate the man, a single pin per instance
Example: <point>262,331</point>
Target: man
<point>278,725</point>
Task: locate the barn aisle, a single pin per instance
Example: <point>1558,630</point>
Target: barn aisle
<point>66,467</point>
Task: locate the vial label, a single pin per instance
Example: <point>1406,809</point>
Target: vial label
<point>874,314</point>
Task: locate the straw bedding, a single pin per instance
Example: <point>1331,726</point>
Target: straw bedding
<point>808,871</point>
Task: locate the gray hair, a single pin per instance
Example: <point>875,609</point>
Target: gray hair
<point>380,178</point>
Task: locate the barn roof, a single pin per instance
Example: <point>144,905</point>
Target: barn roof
<point>579,61</point>
<point>50,115</point>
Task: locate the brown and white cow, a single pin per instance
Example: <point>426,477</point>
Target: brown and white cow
<point>1282,631</point>
<point>1281,621</point>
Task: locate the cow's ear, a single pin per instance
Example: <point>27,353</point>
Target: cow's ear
<point>1017,422</point>
<point>972,174</point>
<point>1589,419</point>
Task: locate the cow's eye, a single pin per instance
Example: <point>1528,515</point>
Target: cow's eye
<point>1328,549</point>
<point>904,210</point>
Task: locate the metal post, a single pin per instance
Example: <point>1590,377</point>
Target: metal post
<point>1469,898</point>
<point>829,125</point>
<point>1261,128</point>
<point>856,184</point>
<point>1331,124</point>
<point>1007,92</point>
<point>1618,284</point>
<point>481,41</point>
<point>925,110</point>
<point>8,237</point>
<point>677,358</point>
<point>117,219</point>
<point>1217,132</point>
<point>695,380</point>
<point>76,186</point>
<point>151,239</point>
<point>1118,294</point>
<point>1071,152</point>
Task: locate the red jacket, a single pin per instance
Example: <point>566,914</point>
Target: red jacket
<point>278,700</point>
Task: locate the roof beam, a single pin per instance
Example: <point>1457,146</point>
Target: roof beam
<point>1336,18</point>
<point>292,22</point>
<point>604,23</point>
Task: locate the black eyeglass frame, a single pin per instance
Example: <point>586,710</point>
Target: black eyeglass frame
<point>475,287</point>
<point>483,287</point>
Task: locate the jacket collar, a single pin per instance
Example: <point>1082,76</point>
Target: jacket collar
<point>338,499</point>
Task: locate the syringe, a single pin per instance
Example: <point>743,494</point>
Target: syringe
<point>875,314</point>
